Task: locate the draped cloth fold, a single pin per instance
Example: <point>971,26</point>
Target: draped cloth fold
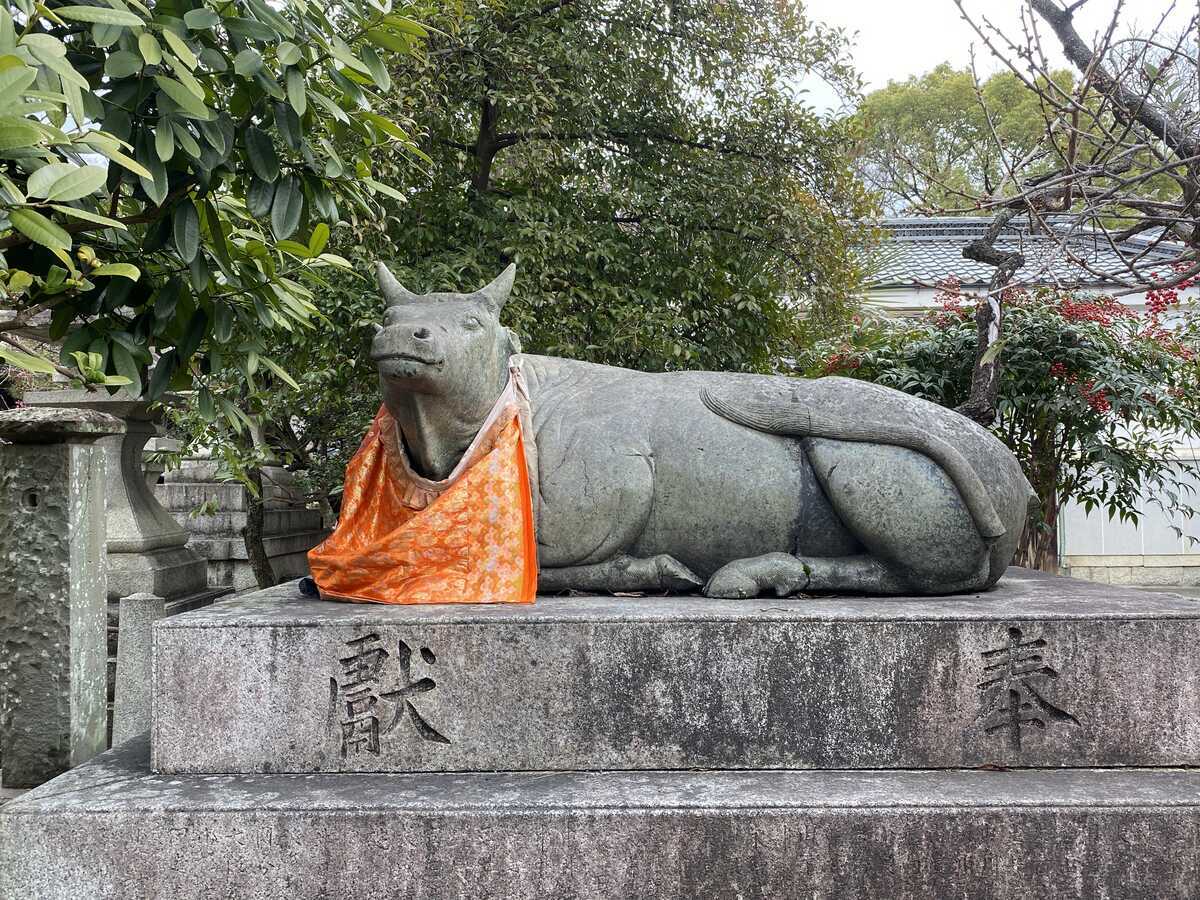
<point>402,538</point>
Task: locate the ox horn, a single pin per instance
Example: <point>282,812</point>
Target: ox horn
<point>393,291</point>
<point>495,295</point>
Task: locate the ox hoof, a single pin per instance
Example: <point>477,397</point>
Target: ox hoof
<point>674,575</point>
<point>729,583</point>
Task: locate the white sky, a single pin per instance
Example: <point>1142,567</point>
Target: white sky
<point>899,38</point>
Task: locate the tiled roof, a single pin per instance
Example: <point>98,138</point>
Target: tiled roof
<point>924,251</point>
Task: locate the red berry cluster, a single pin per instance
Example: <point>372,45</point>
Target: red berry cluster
<point>1101,310</point>
<point>1058,370</point>
<point>841,361</point>
<point>1096,399</point>
<point>1159,300</point>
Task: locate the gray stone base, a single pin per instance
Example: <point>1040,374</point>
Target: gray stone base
<point>1103,676</point>
<point>111,829</point>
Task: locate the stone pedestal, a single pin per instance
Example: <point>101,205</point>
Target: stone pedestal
<point>52,591</point>
<point>290,530</point>
<point>147,550</point>
<point>1038,740</point>
<point>616,683</point>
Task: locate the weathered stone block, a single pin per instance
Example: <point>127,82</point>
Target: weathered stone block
<point>112,830</point>
<point>1040,671</point>
<point>52,591</point>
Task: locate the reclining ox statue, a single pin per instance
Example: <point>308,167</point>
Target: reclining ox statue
<point>734,484</point>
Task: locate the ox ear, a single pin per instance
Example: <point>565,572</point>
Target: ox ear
<point>394,293</point>
<point>495,295</point>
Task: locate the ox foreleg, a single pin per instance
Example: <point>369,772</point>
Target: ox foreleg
<point>621,573</point>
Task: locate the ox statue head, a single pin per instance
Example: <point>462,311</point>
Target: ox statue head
<point>448,345</point>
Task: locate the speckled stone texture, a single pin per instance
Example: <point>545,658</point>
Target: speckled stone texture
<point>52,592</point>
<point>112,830</point>
<point>1038,672</point>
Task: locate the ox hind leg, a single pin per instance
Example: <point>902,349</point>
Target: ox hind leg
<point>917,534</point>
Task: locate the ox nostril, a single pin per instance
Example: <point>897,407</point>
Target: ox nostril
<point>421,334</point>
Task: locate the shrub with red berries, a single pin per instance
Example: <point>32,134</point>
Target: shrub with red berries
<point>1095,395</point>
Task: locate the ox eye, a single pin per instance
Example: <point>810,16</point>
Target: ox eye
<point>472,323</point>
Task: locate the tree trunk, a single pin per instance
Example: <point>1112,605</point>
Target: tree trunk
<point>1038,548</point>
<point>985,377</point>
<point>252,533</point>
<point>1039,542</point>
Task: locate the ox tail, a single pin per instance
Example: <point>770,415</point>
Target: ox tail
<point>793,419</point>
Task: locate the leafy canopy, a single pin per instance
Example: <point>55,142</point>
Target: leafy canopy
<point>169,175</point>
<point>930,142</point>
<point>668,195</point>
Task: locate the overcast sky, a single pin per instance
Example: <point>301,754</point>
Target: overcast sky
<point>899,38</point>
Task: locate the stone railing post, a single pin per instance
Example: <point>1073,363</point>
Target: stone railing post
<point>131,703</point>
<point>53,585</point>
<point>147,550</point>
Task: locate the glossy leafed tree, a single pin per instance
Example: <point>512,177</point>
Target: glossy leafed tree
<point>670,198</point>
<point>169,175</point>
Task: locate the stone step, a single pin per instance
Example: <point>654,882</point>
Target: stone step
<point>230,523</point>
<point>1040,671</point>
<point>274,544</point>
<point>112,829</point>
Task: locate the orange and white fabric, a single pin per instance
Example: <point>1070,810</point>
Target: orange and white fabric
<point>402,538</point>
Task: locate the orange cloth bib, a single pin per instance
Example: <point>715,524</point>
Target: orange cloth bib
<point>403,539</point>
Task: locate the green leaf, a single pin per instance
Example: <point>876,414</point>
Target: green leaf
<point>100,14</point>
<point>259,197</point>
<point>287,53</point>
<point>278,370</point>
<point>200,19</point>
<point>379,72</point>
<point>41,181</point>
<point>149,47</point>
<point>116,156</point>
<point>15,79</point>
<point>122,64</point>
<point>387,40</point>
<point>26,361</point>
<point>261,152</point>
<point>382,188</point>
<point>16,132</point>
<point>408,26</point>
<point>296,91</point>
<point>118,270</point>
<point>318,239</point>
<point>78,183</point>
<point>223,323</point>
<point>106,35</point>
<point>213,60</point>
<point>186,226</point>
<point>247,62</point>
<point>126,367</point>
<point>180,48</point>
<point>287,123</point>
<point>293,247</point>
<point>287,207</point>
<point>205,400</point>
<point>993,351</point>
<point>164,140</point>
<point>249,28</point>
<point>184,99</point>
<point>156,185</point>
<point>184,139</point>
<point>161,376</point>
<point>387,126</point>
<point>39,229</point>
<point>87,216</point>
